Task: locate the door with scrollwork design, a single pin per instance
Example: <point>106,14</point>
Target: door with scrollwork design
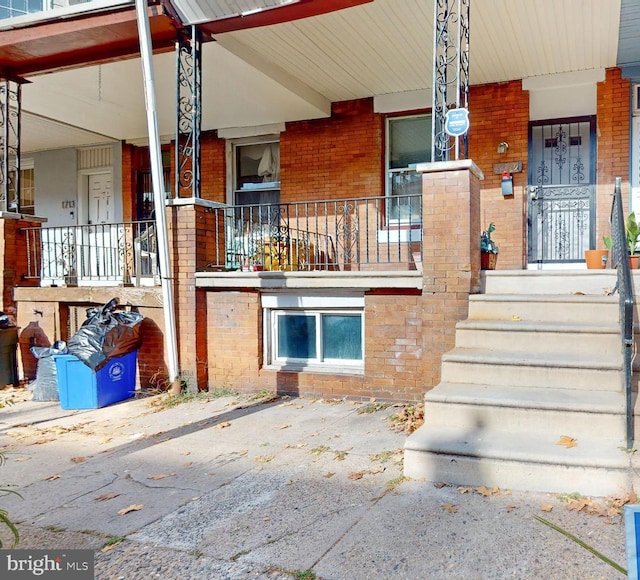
<point>561,203</point>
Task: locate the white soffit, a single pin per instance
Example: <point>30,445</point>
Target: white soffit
<point>563,95</point>
<point>407,101</point>
<point>197,11</point>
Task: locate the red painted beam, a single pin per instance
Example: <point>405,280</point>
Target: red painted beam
<point>287,13</point>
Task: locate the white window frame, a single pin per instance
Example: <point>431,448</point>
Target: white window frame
<point>230,152</point>
<point>388,171</point>
<point>278,305</point>
<point>25,165</point>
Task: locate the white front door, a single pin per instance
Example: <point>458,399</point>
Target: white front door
<point>100,198</point>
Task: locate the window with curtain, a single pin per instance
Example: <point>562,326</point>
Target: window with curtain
<point>257,173</point>
<point>408,142</point>
<point>27,193</point>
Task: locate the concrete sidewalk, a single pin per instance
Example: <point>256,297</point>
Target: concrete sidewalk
<point>235,488</point>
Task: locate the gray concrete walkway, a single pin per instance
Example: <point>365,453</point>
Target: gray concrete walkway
<point>234,488</point>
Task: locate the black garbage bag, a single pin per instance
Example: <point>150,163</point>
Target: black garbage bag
<point>45,386</point>
<point>105,334</point>
<point>5,321</point>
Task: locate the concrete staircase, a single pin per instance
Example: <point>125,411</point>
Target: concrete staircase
<point>538,358</point>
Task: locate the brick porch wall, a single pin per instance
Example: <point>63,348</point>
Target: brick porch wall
<point>500,112</point>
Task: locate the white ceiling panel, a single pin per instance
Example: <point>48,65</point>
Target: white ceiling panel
<point>294,70</point>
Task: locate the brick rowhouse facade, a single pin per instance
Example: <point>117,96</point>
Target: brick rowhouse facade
<point>406,331</point>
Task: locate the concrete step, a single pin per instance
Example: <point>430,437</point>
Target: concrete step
<point>545,308</point>
<point>598,465</point>
<point>512,336</point>
<point>596,282</point>
<point>590,371</point>
<point>494,408</point>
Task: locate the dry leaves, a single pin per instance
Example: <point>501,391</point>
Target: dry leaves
<point>160,476</point>
<point>223,425</point>
<point>545,507</point>
<point>78,459</point>
<point>132,508</point>
<point>567,441</point>
<point>450,508</point>
<point>107,496</point>
<point>52,477</point>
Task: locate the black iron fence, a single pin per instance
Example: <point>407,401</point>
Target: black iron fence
<point>117,253</point>
<point>345,234</point>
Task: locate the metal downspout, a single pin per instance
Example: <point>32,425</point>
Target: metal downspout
<point>158,189</point>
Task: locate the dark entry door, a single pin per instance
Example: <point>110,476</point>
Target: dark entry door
<point>561,205</point>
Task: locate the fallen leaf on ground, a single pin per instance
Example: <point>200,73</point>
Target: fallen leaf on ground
<point>577,504</point>
<point>285,426</point>
<point>42,441</point>
<point>223,425</point>
<point>52,477</point>
<point>545,507</point>
<point>132,508</point>
<point>510,508</point>
<point>160,475</point>
<point>449,507</point>
<point>78,459</point>
<point>356,475</point>
<point>441,484</point>
<point>567,441</point>
<point>110,546</point>
<point>463,489</point>
<point>106,496</point>
<point>329,474</point>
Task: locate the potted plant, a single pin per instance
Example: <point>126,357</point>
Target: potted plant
<point>488,249</point>
<point>633,232</point>
<point>597,259</point>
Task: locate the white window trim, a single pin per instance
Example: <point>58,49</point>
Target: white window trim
<point>275,305</point>
<point>387,171</point>
<point>230,159</point>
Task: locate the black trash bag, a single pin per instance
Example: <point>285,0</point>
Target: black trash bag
<point>45,387</point>
<point>5,321</point>
<point>106,334</point>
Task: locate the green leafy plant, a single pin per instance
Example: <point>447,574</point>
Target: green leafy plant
<point>633,232</point>
<point>608,242</point>
<point>487,245</point>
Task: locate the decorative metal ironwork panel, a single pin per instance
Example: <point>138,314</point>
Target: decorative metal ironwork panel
<point>189,113</point>
<point>560,223</point>
<point>10,112</point>
<point>450,74</point>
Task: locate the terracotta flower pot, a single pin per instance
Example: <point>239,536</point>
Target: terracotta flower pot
<point>488,260</point>
<point>596,259</point>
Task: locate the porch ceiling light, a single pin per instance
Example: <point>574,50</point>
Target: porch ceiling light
<point>502,147</point>
<point>201,11</point>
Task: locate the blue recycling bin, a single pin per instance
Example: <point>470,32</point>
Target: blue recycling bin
<point>80,387</point>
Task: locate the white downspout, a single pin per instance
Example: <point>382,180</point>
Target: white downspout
<point>158,190</point>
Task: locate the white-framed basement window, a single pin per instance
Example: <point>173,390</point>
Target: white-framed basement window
<point>408,143</point>
<point>314,333</point>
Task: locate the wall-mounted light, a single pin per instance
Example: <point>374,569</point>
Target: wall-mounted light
<point>502,147</point>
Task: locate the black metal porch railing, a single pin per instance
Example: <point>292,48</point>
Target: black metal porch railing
<point>624,287</point>
<point>117,253</point>
<point>347,234</point>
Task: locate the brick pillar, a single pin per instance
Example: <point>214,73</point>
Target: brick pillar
<point>192,247</point>
<point>14,259</point>
<point>451,254</point>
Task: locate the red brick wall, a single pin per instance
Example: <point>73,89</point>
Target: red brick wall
<point>500,112</point>
<point>213,168</point>
<point>339,157</point>
<point>613,145</point>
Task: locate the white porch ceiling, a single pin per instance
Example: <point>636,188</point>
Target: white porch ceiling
<point>294,70</point>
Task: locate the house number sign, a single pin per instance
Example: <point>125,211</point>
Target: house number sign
<point>69,204</point>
